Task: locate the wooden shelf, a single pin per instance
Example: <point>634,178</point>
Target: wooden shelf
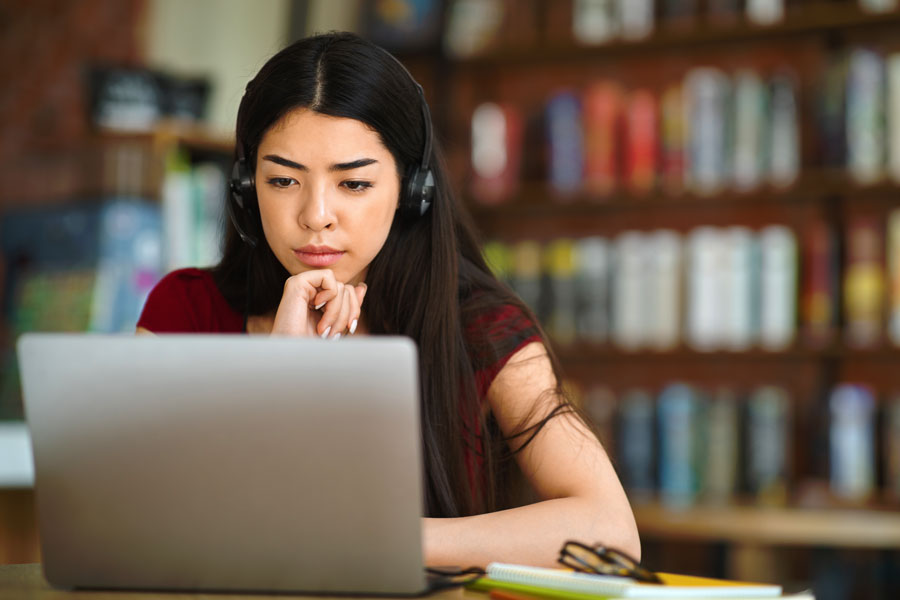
<point>844,528</point>
<point>176,132</point>
<point>819,19</point>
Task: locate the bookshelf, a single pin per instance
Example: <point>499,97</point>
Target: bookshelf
<point>525,72</point>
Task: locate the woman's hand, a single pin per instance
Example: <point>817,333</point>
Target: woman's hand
<point>315,303</point>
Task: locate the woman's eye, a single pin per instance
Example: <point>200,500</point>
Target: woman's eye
<point>357,186</point>
<point>281,182</point>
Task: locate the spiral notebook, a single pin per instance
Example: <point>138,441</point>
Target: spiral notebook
<point>581,586</point>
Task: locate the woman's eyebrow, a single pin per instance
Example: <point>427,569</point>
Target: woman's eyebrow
<point>347,166</point>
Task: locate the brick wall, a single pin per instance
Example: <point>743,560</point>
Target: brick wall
<point>45,46</point>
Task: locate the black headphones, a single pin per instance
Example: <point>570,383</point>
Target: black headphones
<point>415,199</point>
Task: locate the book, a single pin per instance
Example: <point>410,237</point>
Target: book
<point>603,123</point>
<point>765,12</point>
<point>526,274</point>
<point>635,18</point>
<point>662,289</point>
<point>472,26</point>
<point>784,136</point>
<point>628,325</point>
<point>863,282</point>
<point>499,259</point>
<point>865,116</point>
<point>672,139</point>
<point>679,411</point>
<point>723,445</point>
<point>830,112</point>
<point>750,139</point>
<point>600,406</point>
<point>705,313</point>
<point>591,585</point>
<point>891,447</point>
<point>707,105</point>
<point>595,21</point>
<point>592,288</point>
<point>768,444</point>
<point>739,286</point>
<point>852,437</point>
<point>566,144</point>
<point>559,266</point>
<point>679,13</point>
<point>641,141</point>
<point>636,445</point>
<point>893,115</point>
<point>820,283</point>
<point>878,6</point>
<point>778,287</point>
<point>496,152</point>
<point>893,276</point>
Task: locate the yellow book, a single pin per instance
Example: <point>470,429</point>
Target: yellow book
<point>569,585</point>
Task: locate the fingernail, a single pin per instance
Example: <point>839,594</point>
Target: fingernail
<point>336,337</point>
<point>320,306</point>
<point>353,327</point>
<point>326,332</point>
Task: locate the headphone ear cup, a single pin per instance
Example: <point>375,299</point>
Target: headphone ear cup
<point>243,190</point>
<point>419,192</point>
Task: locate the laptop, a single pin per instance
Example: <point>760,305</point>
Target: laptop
<point>226,463</point>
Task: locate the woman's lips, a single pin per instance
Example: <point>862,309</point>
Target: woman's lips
<point>318,257</point>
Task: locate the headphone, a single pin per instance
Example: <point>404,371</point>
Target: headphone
<point>415,199</point>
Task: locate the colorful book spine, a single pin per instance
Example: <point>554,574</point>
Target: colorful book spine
<point>565,136</point>
<point>750,139</point>
<point>526,274</point>
<point>636,445</point>
<point>641,143</point>
<point>499,259</point>
<point>893,276</point>
<point>864,283</point>
<point>559,265</point>
<point>496,152</point>
<point>865,116</point>
<point>707,99</point>
<point>602,134</point>
<point>680,445</point>
<point>768,444</point>
<point>673,139</point>
<point>878,6</point>
<point>778,287</point>
<point>852,442</point>
<point>893,115</point>
<point>784,138</point>
<point>820,286</point>
<point>831,118</point>
<point>592,288</point>
<point>723,452</point>
<point>705,312</point>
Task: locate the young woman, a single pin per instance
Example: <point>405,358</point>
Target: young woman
<point>344,224</point>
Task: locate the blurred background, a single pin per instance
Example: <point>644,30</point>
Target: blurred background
<point>699,198</point>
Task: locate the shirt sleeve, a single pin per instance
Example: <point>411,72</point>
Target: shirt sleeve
<point>510,326</point>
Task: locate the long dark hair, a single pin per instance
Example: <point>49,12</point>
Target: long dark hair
<point>428,282</point>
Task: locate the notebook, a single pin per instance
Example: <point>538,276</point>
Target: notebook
<point>226,463</point>
<point>560,583</point>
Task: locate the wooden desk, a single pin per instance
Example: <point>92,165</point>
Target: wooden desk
<point>27,581</point>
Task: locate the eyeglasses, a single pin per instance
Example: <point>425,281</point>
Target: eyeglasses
<point>601,560</point>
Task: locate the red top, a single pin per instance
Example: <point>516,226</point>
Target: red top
<point>188,301</point>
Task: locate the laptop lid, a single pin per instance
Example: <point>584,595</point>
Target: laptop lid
<point>211,462</point>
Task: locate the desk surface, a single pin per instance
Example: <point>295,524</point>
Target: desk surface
<point>27,581</point>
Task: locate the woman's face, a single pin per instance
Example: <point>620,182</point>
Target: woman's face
<point>328,190</point>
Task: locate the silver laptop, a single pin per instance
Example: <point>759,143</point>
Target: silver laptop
<point>227,463</point>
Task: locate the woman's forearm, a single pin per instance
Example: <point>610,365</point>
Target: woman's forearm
<point>530,534</point>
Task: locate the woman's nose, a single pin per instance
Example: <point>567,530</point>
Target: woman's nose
<point>316,213</point>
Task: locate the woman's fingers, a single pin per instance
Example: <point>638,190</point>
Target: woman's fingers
<point>354,300</point>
